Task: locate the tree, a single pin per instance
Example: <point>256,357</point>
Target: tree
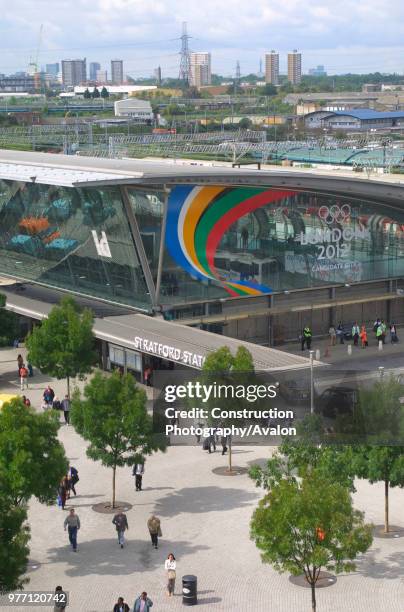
<point>87,94</point>
<point>104,92</point>
<point>221,367</point>
<point>14,537</point>
<point>8,324</point>
<point>113,418</point>
<point>63,345</point>
<point>381,420</point>
<point>302,526</point>
<point>95,93</point>
<point>269,90</point>
<point>245,123</point>
<point>32,460</point>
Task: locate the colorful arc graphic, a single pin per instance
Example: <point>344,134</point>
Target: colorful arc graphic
<point>197,219</point>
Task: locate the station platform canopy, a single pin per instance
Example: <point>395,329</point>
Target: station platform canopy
<point>186,346</point>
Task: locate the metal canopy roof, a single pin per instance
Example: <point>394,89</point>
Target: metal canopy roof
<point>76,171</point>
<point>125,331</point>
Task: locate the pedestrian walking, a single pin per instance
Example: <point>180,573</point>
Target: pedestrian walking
<point>23,378</point>
<point>333,335</point>
<point>62,493</point>
<point>306,337</point>
<point>56,404</point>
<point>170,567</point>
<point>384,331</point>
<point>72,523</point>
<point>121,523</point>
<point>393,333</point>
<point>30,369</point>
<point>138,471</point>
<point>121,606</point>
<point>376,325</point>
<point>142,603</point>
<point>379,334</point>
<point>26,401</point>
<point>147,374</point>
<point>223,441</point>
<point>66,409</point>
<point>364,337</point>
<point>20,363</point>
<point>355,333</point>
<point>154,527</point>
<point>48,396</point>
<point>73,477</point>
<point>60,600</point>
<point>212,442</point>
<point>340,332</point>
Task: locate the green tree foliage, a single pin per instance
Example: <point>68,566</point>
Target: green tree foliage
<point>14,537</point>
<point>32,460</point>
<point>8,324</point>
<point>302,526</point>
<point>221,367</point>
<point>63,345</point>
<point>104,93</point>
<point>95,93</point>
<point>245,123</point>
<point>87,94</point>
<point>380,422</point>
<point>268,90</point>
<point>112,417</point>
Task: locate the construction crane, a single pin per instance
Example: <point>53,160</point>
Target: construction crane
<point>33,67</point>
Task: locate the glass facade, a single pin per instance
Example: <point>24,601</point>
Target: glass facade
<point>220,242</point>
<point>77,239</point>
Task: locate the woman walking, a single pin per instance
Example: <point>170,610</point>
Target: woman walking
<point>170,567</point>
<point>364,337</point>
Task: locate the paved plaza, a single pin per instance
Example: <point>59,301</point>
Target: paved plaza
<point>205,523</point>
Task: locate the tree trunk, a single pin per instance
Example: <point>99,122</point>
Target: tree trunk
<point>68,386</point>
<point>230,457</point>
<point>313,596</point>
<point>386,506</point>
<point>113,485</point>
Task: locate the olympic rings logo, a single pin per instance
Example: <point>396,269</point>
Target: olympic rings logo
<point>334,213</point>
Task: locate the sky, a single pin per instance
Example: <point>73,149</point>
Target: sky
<point>346,36</point>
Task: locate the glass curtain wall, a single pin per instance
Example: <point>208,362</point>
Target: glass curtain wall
<point>70,238</point>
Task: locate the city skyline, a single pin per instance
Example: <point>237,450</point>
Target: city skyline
<point>145,35</point>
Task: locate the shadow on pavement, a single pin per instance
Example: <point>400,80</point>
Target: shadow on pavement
<point>202,499</point>
<point>105,557</point>
<point>389,568</point>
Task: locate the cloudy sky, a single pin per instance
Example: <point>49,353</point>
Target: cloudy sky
<point>345,35</point>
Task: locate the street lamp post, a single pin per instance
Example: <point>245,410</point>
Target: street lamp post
<point>311,383</point>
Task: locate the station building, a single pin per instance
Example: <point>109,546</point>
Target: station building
<point>247,254</point>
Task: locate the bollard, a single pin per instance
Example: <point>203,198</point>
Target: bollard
<point>349,349</point>
<point>318,354</point>
<point>380,345</point>
<point>189,590</point>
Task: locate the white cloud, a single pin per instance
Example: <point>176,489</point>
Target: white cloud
<point>142,31</point>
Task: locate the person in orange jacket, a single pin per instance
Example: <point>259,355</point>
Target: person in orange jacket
<point>364,337</point>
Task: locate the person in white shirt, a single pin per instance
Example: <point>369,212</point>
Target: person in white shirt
<point>170,567</point>
<point>138,471</point>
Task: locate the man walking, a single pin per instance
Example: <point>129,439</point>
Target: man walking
<point>72,522</point>
<point>142,603</point>
<point>154,527</point>
<point>355,333</point>
<point>138,471</point>
<point>121,523</point>
<point>73,477</point>
<point>23,377</point>
<point>121,606</point>
<point>66,409</point>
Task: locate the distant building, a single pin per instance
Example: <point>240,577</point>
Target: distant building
<point>94,66</point>
<point>138,110</point>
<point>272,68</point>
<point>370,87</point>
<point>74,72</point>
<point>318,71</point>
<point>117,72</point>
<point>18,83</point>
<point>123,89</point>
<point>157,74</point>
<point>101,76</point>
<point>294,67</point>
<point>358,119</point>
<point>200,69</point>
<point>52,69</point>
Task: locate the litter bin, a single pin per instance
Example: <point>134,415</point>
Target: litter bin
<point>189,590</point>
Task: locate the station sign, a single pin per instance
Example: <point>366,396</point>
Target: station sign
<point>166,351</point>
